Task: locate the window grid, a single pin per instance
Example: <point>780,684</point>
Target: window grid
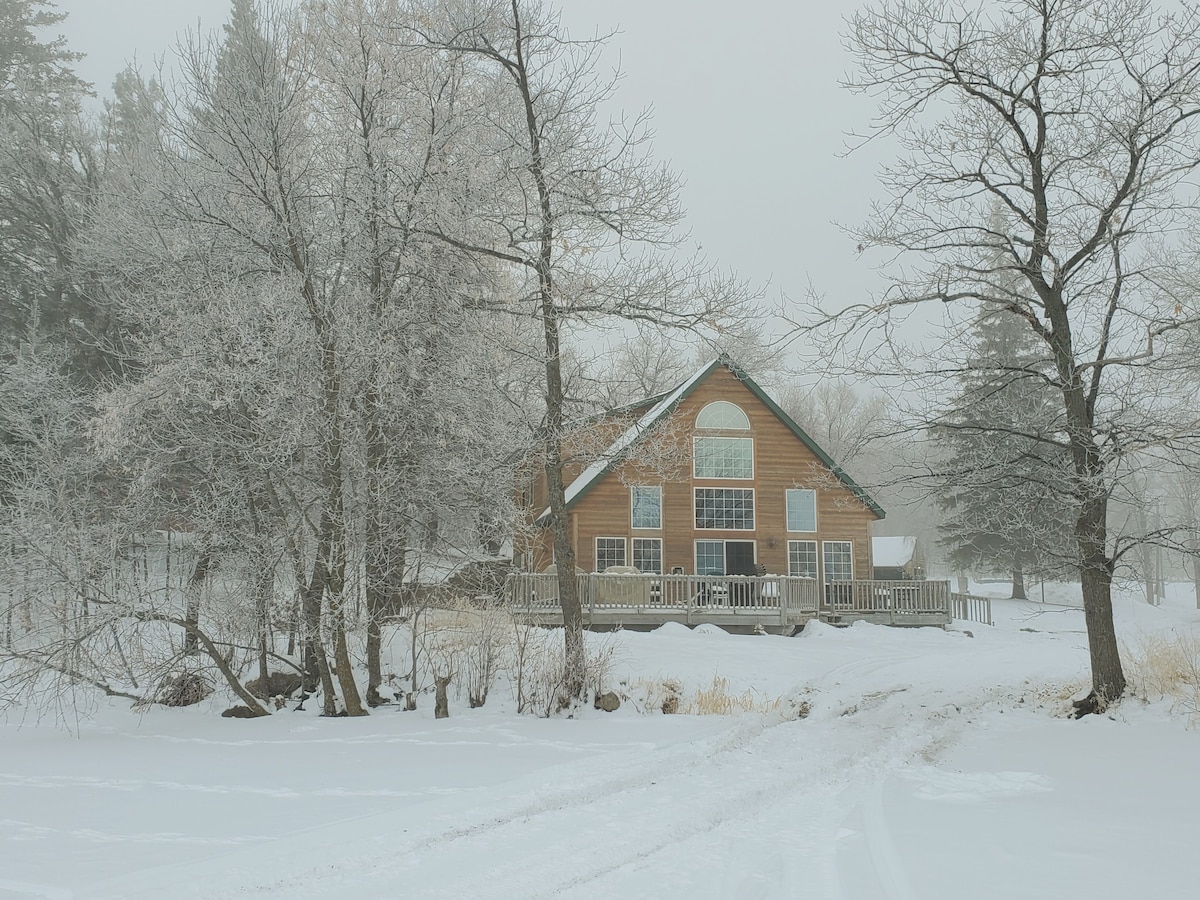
<point>801,510</point>
<point>802,559</point>
<point>647,555</point>
<point>723,457</point>
<point>723,414</point>
<point>731,509</point>
<point>710,557</point>
<point>839,561</point>
<point>609,552</point>
<point>646,506</point>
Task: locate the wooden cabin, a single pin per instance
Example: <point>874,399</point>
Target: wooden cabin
<point>712,478</point>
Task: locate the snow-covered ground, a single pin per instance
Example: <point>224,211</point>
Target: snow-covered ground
<point>893,764</point>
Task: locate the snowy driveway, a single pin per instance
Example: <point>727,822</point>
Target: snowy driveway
<point>930,766</point>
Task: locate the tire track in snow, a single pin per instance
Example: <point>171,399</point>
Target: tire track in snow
<point>578,844</point>
<point>593,777</point>
<point>75,782</point>
<point>885,859</point>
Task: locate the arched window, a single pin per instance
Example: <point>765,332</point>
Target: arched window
<point>722,455</point>
<point>724,415</point>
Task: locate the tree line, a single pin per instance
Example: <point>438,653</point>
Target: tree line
<point>302,304</point>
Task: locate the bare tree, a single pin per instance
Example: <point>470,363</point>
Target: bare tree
<point>1079,121</point>
<point>843,419</point>
<point>578,211</point>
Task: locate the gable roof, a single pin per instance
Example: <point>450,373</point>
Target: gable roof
<point>614,453</point>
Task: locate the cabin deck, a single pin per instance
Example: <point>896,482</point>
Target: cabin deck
<point>775,603</point>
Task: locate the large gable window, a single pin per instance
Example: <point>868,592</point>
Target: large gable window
<point>722,415</point>
<point>725,508</point>
<point>801,510</point>
<point>723,457</point>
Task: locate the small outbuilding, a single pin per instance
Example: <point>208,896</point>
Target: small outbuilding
<point>897,558</point>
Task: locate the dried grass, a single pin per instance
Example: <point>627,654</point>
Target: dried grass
<point>1167,667</point>
<point>717,700</point>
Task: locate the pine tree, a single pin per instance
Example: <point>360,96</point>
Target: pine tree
<point>1006,490</point>
<point>47,182</point>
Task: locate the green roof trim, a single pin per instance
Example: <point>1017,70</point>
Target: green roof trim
<point>579,488</point>
<point>799,432</point>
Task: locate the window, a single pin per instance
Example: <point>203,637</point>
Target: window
<point>646,503</point>
<point>839,561</point>
<point>802,559</point>
<point>710,557</point>
<point>647,555</point>
<point>728,508</point>
<point>725,557</point>
<point>801,510</point>
<point>723,457</point>
<point>724,415</point>
<point>609,552</point>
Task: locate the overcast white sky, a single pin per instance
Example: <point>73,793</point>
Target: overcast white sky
<point>747,107</point>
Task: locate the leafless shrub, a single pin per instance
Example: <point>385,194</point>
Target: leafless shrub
<point>535,663</point>
<point>466,639</point>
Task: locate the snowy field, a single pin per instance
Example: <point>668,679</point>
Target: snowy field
<point>891,764</point>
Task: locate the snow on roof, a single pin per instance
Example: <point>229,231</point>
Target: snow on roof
<point>893,552</point>
<point>629,437</point>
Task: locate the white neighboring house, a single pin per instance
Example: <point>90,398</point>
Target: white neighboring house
<point>897,558</point>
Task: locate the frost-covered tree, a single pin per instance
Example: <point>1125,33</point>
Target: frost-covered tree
<point>316,382</point>
<point>576,210</point>
<point>48,180</point>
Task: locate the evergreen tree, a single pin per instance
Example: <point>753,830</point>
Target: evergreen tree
<point>48,180</point>
<point>1006,486</point>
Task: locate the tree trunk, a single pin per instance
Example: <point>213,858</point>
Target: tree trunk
<point>335,568</point>
<point>192,594</point>
<point>333,524</point>
<point>382,595</point>
<point>575,660</point>
<point>341,657</point>
<point>441,707</point>
<point>1196,564</point>
<point>1108,677</point>
<point>316,665</point>
<point>385,556</point>
<point>1091,522</point>
<point>1018,576</point>
<point>263,582</point>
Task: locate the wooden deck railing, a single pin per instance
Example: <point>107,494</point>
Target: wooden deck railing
<point>789,596</point>
<point>899,597</point>
<point>645,591</point>
<point>972,608</point>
